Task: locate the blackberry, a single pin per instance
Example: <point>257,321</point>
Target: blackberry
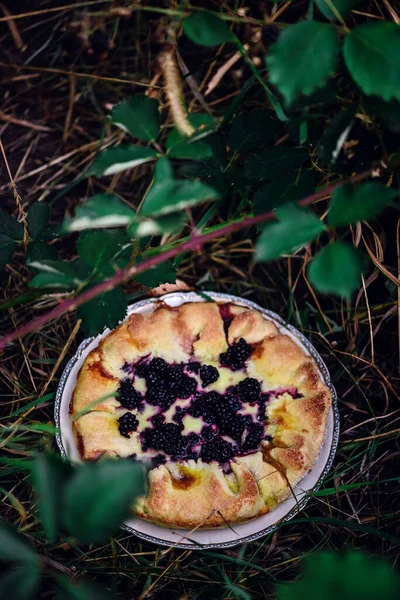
<point>234,428</point>
<point>255,434</point>
<point>128,396</point>
<point>249,389</point>
<point>179,414</point>
<point>236,355</point>
<point>159,394</point>
<point>192,439</point>
<point>127,424</point>
<point>175,374</point>
<point>208,374</point>
<point>167,438</point>
<point>184,388</point>
<point>218,450</point>
<point>193,367</point>
<point>157,365</point>
<point>158,420</point>
<point>208,432</point>
<point>204,406</point>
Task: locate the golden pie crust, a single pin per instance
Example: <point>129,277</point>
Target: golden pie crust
<point>194,493</point>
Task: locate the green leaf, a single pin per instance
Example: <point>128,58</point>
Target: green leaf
<point>13,547</point>
<point>252,130</point>
<point>7,247</point>
<point>38,217</point>
<point>206,29</point>
<point>49,474</point>
<point>98,247</point>
<point>10,226</point>
<point>20,583</point>
<point>171,223</point>
<point>39,251</point>
<point>275,162</point>
<point>296,228</point>
<point>349,204</point>
<point>343,7</point>
<point>168,195</point>
<point>282,191</point>
<point>100,211</point>
<point>138,116</point>
<point>81,590</point>
<point>162,273</point>
<point>191,151</point>
<point>100,496</point>
<point>371,53</point>
<point>303,58</point>
<point>106,310</point>
<point>350,574</point>
<point>337,269</point>
<point>53,273</point>
<point>115,160</point>
<point>336,134</point>
<point>184,147</point>
<point>203,123</point>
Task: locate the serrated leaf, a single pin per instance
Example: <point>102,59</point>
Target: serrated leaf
<point>162,273</point>
<point>350,574</point>
<point>98,247</point>
<point>303,58</point>
<point>53,273</point>
<point>20,583</point>
<point>337,269</point>
<point>336,134</point>
<point>100,211</point>
<point>351,204</point>
<point>13,547</point>
<point>343,7</point>
<point>10,226</point>
<point>138,116</point>
<point>206,29</point>
<point>168,195</point>
<point>106,310</point>
<point>296,228</point>
<point>282,191</point>
<point>371,53</point>
<point>49,474</point>
<point>100,496</point>
<point>39,251</point>
<point>275,162</point>
<point>115,160</point>
<point>252,130</point>
<point>7,248</point>
<point>38,217</point>
<point>81,590</point>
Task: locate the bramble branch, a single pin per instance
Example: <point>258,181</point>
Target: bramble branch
<point>193,243</point>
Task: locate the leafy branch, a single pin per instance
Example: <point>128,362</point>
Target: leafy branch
<point>195,242</point>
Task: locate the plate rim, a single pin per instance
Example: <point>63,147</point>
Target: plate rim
<point>300,505</point>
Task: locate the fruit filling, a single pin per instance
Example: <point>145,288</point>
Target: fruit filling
<point>187,419</point>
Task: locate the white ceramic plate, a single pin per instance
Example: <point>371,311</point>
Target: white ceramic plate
<point>211,538</point>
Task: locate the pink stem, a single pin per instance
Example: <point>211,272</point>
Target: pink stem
<point>197,241</point>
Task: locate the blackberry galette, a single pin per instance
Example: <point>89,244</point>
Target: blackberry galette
<point>227,413</point>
